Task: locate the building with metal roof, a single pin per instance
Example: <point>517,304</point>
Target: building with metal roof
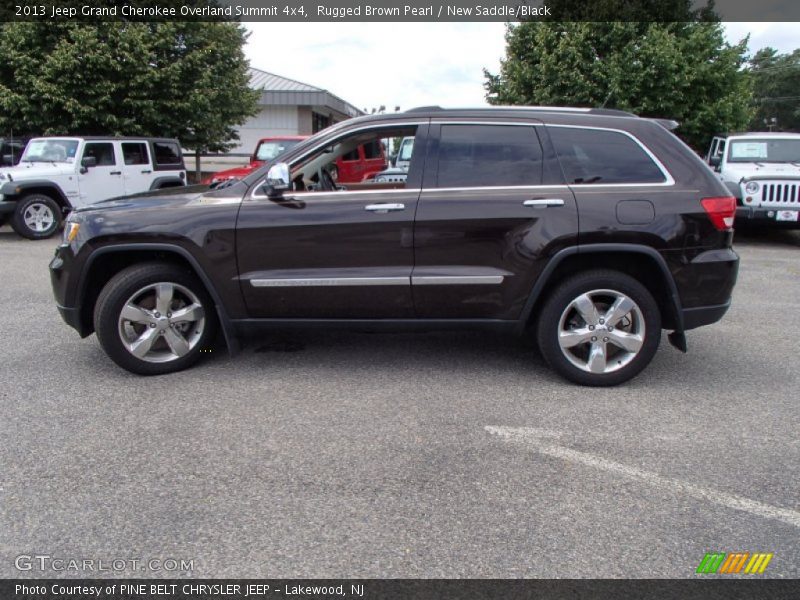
<point>290,107</point>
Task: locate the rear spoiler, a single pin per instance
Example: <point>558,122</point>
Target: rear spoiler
<point>668,124</point>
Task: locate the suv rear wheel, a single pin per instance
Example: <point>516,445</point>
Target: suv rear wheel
<point>36,217</point>
<point>599,328</point>
<point>154,318</point>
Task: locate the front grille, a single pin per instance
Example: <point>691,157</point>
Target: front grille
<point>781,193</point>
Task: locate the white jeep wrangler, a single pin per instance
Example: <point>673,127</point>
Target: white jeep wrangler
<point>57,174</point>
<point>762,170</point>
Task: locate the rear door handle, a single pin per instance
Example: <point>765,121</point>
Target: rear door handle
<point>147,171</point>
<point>544,202</point>
<point>385,207</point>
<point>115,173</point>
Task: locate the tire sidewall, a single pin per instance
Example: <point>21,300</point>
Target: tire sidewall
<point>18,220</point>
<point>548,326</point>
<point>120,288</point>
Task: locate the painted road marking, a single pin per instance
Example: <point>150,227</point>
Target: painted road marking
<point>541,441</point>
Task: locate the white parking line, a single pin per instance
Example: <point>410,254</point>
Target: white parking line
<point>538,440</point>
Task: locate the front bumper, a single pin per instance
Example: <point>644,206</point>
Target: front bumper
<point>764,217</point>
<point>7,207</point>
<point>62,272</point>
<point>72,317</point>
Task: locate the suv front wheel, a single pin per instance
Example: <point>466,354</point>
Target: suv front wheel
<point>36,217</point>
<point>154,318</point>
<point>599,328</point>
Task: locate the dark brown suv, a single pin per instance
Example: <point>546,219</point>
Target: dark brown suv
<point>592,230</point>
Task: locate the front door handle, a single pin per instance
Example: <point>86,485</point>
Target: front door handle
<point>115,173</point>
<point>384,207</point>
<point>544,202</point>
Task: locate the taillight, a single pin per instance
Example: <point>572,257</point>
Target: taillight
<point>721,211</point>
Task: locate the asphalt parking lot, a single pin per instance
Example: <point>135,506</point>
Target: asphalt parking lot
<point>403,455</point>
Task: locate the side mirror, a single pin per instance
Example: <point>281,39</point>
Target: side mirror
<point>86,162</point>
<point>277,180</point>
<point>715,161</point>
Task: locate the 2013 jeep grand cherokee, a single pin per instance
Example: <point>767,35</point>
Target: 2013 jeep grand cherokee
<point>592,230</point>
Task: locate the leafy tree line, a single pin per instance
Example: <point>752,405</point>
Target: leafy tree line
<point>672,62</point>
<point>776,90</point>
<point>186,80</point>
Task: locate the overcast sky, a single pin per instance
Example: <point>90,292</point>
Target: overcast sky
<point>414,64</point>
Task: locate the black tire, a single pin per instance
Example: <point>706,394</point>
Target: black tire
<point>26,209</point>
<point>122,288</point>
<point>560,304</point>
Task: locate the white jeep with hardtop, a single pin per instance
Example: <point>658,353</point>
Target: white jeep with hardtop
<point>762,170</point>
<point>57,174</point>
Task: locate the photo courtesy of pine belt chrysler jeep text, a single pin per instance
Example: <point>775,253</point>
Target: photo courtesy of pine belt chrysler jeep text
<point>589,229</point>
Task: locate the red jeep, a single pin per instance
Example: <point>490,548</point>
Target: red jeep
<point>267,149</point>
<point>359,165</point>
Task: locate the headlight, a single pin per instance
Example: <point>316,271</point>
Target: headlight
<point>751,187</point>
<point>70,232</point>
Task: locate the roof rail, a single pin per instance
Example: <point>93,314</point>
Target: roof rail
<point>424,109</point>
<point>668,124</point>
<point>577,109</point>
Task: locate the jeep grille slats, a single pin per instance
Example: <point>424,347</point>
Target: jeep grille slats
<point>780,193</point>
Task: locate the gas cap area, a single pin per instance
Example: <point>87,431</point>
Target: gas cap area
<point>635,212</point>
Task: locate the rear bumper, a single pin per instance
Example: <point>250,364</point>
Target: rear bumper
<point>704,315</point>
<point>764,217</point>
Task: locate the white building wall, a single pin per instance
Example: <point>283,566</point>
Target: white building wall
<point>271,120</point>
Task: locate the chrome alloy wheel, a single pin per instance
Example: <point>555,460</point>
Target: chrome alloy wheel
<point>601,331</point>
<point>161,322</point>
<point>38,217</point>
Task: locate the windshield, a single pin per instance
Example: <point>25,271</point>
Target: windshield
<point>50,150</point>
<point>764,150</point>
<point>269,150</point>
<point>406,149</point>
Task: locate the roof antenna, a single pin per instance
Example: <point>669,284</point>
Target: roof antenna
<point>603,105</point>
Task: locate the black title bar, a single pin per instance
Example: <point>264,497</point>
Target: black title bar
<point>391,589</point>
<point>395,10</point>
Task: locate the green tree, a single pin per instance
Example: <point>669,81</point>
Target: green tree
<point>679,70</point>
<point>186,80</point>
<point>776,85</point>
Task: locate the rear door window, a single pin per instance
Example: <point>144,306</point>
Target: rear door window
<point>602,156</point>
<point>489,156</point>
<point>135,153</point>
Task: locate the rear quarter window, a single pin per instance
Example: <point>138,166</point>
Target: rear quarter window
<point>602,156</point>
<point>167,154</point>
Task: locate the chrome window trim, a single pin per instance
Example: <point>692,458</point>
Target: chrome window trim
<point>558,186</point>
<point>303,194</point>
<point>339,135</point>
<point>668,179</point>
